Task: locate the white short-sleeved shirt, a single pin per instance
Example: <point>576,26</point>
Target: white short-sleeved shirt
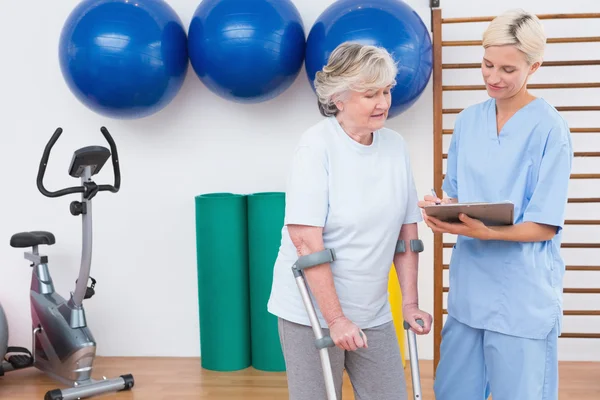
<point>361,195</point>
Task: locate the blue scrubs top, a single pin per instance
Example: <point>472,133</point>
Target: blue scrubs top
<point>513,288</point>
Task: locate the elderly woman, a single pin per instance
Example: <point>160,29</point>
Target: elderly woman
<point>351,189</point>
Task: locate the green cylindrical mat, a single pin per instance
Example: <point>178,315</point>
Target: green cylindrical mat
<point>265,221</point>
<point>222,255</point>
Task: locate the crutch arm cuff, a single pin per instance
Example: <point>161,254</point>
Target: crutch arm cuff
<point>314,259</point>
<point>416,246</point>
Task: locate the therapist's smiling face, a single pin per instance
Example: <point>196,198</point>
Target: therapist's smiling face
<point>505,71</point>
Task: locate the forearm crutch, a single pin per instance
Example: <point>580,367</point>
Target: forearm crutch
<point>415,373</point>
<point>323,342</point>
<point>416,246</point>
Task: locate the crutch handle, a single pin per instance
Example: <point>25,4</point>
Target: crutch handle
<point>324,342</point>
<point>419,321</point>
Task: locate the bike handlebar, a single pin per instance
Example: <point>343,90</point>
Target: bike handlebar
<point>115,163</point>
<point>78,189</point>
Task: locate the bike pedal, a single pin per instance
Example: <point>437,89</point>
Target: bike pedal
<point>20,361</point>
<point>19,357</point>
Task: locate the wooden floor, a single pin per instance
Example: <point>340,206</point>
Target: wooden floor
<point>183,378</point>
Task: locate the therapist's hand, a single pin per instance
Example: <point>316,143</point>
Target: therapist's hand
<point>467,227</point>
<point>429,200</point>
<point>411,313</point>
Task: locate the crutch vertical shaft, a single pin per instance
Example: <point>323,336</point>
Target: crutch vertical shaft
<point>416,246</point>
<point>414,360</point>
<point>322,342</point>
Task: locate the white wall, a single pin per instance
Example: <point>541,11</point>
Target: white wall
<point>144,255</point>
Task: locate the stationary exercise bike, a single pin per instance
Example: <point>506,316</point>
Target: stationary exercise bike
<point>63,345</point>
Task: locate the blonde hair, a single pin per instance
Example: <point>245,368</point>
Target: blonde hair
<point>520,29</point>
<point>353,66</point>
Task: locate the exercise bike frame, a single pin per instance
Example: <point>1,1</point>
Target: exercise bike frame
<point>63,345</point>
<point>88,190</point>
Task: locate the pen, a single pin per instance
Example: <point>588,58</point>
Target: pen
<point>434,195</point>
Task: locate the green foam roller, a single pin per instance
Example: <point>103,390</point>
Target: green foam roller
<point>265,221</point>
<point>223,291</point>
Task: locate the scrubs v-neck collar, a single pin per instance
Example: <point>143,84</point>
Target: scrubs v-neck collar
<point>506,128</point>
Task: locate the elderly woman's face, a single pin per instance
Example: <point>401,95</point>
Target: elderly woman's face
<point>366,110</point>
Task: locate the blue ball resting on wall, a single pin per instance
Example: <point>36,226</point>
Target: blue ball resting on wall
<point>391,24</point>
<point>124,59</point>
<point>247,51</point>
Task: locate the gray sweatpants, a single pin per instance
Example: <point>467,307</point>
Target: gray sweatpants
<point>376,373</point>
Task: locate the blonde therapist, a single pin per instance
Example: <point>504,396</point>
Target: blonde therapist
<point>505,298</point>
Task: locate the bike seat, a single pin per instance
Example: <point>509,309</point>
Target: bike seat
<point>30,239</point>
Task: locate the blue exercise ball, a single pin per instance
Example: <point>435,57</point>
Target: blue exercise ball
<point>391,24</point>
<point>124,59</point>
<point>247,51</point>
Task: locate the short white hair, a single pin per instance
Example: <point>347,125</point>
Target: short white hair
<point>520,29</point>
<point>353,66</point>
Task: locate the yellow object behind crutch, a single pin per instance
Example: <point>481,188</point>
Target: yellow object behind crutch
<point>396,305</point>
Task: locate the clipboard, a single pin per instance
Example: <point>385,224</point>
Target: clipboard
<point>491,214</point>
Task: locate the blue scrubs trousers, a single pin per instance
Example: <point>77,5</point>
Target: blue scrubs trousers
<point>475,362</point>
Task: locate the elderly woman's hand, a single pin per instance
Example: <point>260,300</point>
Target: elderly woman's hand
<point>347,335</point>
<point>412,313</point>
